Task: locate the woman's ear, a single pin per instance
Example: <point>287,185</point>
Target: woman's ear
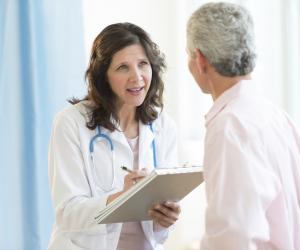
<point>201,61</point>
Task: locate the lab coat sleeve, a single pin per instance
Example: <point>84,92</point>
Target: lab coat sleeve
<point>161,233</point>
<point>75,208</point>
<point>239,189</point>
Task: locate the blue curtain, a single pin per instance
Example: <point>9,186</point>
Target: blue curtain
<point>42,64</point>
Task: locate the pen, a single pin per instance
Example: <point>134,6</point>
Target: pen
<point>126,169</point>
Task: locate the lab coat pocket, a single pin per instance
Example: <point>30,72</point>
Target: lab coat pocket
<point>88,240</point>
<point>73,246</point>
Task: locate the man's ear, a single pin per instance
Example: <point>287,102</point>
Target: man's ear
<point>200,61</point>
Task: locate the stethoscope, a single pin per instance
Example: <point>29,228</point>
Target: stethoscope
<point>105,137</point>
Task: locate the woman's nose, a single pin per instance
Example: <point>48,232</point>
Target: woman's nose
<point>135,75</point>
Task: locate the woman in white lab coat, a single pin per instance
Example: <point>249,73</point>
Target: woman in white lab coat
<point>119,123</point>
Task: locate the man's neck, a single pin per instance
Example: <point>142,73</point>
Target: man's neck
<point>219,84</point>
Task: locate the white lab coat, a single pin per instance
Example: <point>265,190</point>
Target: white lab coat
<point>252,174</point>
<point>76,197</point>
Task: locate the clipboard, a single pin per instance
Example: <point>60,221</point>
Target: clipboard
<point>160,185</point>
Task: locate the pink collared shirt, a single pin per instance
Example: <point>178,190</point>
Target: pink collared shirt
<point>252,174</point>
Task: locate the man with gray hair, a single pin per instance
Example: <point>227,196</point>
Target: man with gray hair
<point>252,149</point>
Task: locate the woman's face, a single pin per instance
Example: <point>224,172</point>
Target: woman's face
<point>129,75</point>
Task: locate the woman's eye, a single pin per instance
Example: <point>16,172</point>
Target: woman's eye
<point>142,63</point>
<point>122,67</point>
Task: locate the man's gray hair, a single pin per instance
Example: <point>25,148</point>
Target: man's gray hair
<point>223,32</point>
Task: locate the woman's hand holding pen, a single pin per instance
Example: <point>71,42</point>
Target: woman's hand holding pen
<point>130,180</point>
<point>165,214</point>
<point>133,177</point>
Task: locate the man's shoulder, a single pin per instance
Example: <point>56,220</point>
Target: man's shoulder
<point>246,116</point>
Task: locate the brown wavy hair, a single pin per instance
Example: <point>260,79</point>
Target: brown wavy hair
<point>110,40</point>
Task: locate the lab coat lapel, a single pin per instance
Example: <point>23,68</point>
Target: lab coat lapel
<point>146,137</point>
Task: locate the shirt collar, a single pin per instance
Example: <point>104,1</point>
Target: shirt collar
<point>241,88</point>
